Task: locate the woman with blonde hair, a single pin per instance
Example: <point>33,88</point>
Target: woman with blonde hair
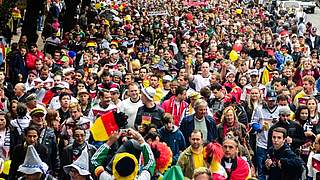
<point>230,126</point>
<point>253,101</point>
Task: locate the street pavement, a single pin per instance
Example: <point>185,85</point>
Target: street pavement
<point>40,43</point>
<point>314,19</point>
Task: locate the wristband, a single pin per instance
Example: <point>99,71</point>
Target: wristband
<point>98,171</point>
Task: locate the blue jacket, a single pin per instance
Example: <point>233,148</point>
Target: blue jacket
<point>175,140</point>
<point>291,165</point>
<point>187,126</point>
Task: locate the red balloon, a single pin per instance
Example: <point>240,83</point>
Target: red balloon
<point>237,47</point>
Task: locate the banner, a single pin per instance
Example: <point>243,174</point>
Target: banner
<point>158,13</point>
<point>194,3</point>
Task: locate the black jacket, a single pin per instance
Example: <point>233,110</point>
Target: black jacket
<point>156,114</point>
<point>49,141</point>
<point>294,130</point>
<point>19,153</point>
<point>291,164</point>
<point>187,126</point>
<point>68,157</point>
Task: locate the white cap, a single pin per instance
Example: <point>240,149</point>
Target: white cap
<point>167,78</point>
<point>149,92</point>
<point>113,51</point>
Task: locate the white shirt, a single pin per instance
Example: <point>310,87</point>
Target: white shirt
<point>130,109</point>
<point>201,81</point>
<point>55,103</point>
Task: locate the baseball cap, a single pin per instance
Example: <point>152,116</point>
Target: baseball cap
<point>167,78</point>
<point>37,111</point>
<point>271,95</point>
<point>285,110</point>
<point>254,72</point>
<point>113,51</point>
<point>229,73</point>
<point>114,90</point>
<point>31,97</point>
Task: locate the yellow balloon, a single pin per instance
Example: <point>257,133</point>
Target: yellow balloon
<point>6,168</point>
<point>238,11</point>
<point>233,55</point>
<point>121,7</point>
<point>127,18</point>
<point>98,5</point>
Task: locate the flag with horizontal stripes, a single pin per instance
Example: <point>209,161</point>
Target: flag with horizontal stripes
<point>104,126</point>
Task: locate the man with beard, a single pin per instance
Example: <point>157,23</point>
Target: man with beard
<point>43,83</point>
<point>104,105</point>
<point>193,157</point>
<point>172,136</point>
<point>106,81</point>
<point>92,85</point>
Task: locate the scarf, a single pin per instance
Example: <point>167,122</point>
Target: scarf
<point>239,169</point>
<point>266,76</point>
<point>227,129</point>
<point>77,150</point>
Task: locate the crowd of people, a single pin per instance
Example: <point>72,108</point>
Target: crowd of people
<point>211,89</point>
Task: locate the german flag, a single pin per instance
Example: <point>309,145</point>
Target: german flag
<point>104,126</point>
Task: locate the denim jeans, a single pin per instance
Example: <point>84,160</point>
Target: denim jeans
<point>260,159</point>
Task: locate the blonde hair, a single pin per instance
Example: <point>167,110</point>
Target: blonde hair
<point>202,170</point>
<point>227,109</point>
<point>75,104</point>
<point>250,104</point>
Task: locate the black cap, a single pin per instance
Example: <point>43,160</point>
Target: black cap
<point>271,95</point>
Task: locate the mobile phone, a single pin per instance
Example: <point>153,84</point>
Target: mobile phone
<point>124,131</point>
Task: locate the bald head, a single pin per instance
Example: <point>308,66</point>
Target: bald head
<point>205,68</point>
<point>19,89</point>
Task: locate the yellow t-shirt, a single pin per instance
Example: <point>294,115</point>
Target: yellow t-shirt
<point>158,96</point>
<point>198,159</point>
